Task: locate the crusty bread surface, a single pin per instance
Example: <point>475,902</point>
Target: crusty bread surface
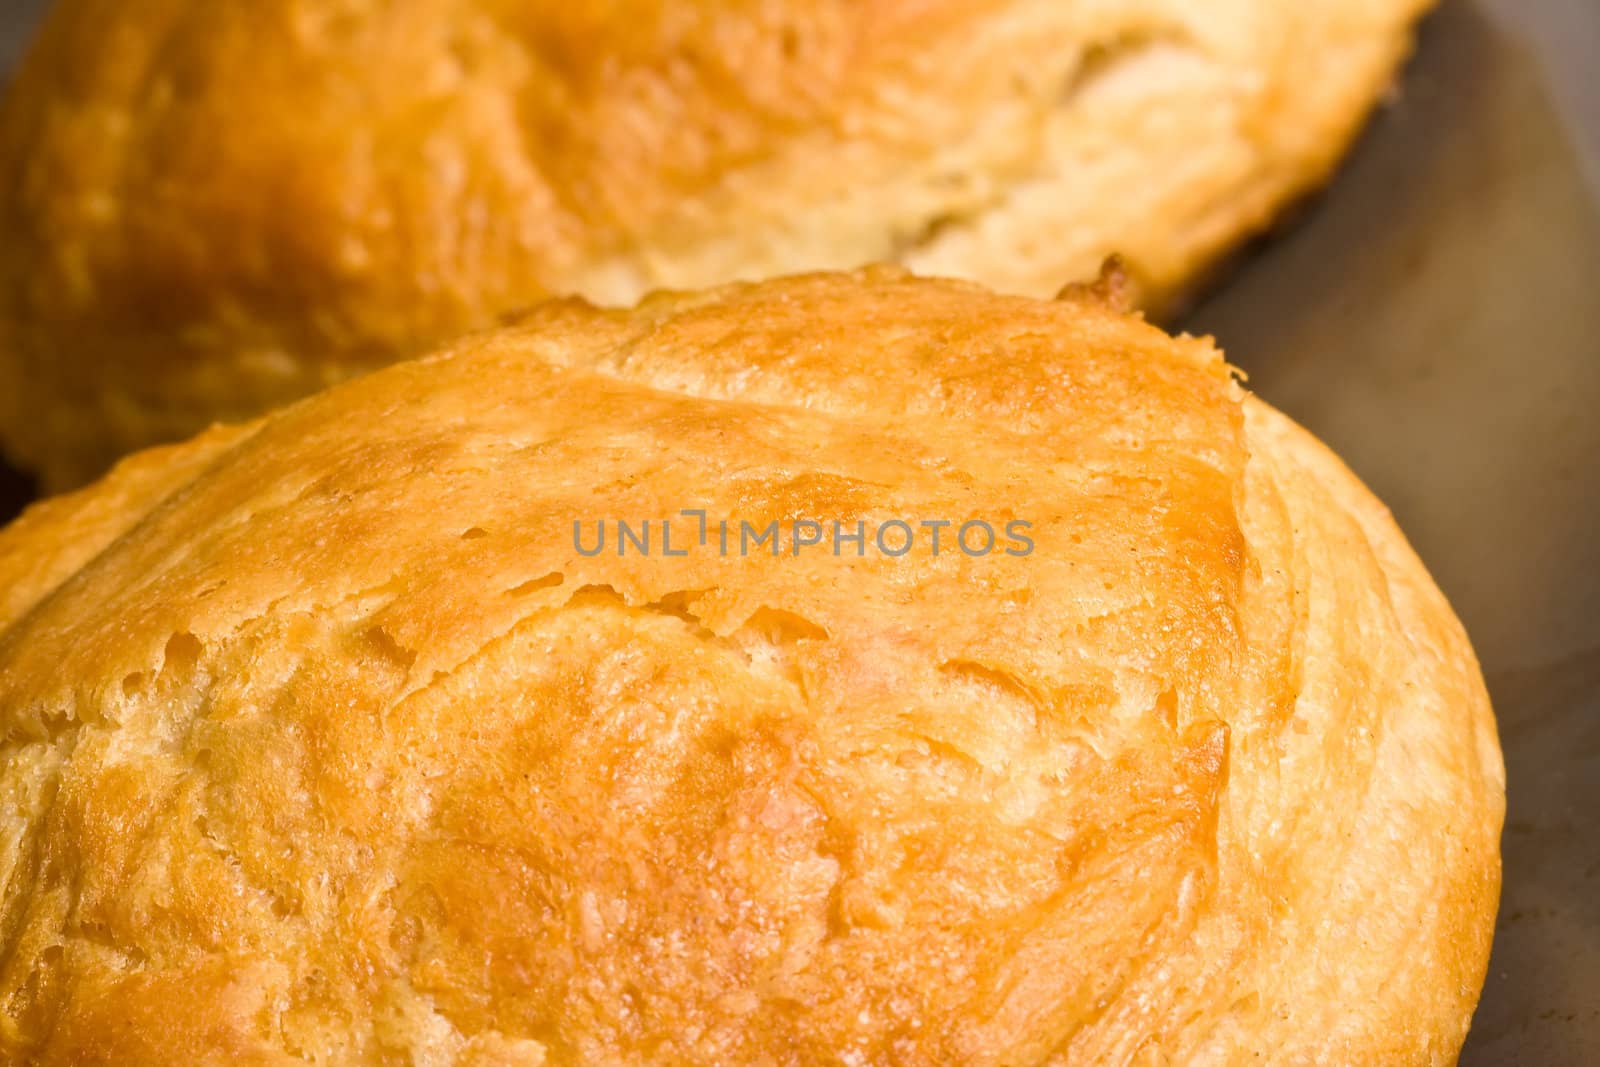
<point>326,741</point>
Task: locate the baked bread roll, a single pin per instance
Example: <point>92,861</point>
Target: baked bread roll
<point>340,737</point>
<point>210,208</point>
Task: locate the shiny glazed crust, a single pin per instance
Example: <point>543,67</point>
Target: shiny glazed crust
<point>210,208</point>
<point>324,744</point>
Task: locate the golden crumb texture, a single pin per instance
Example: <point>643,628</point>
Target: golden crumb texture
<point>207,208</point>
<point>327,742</point>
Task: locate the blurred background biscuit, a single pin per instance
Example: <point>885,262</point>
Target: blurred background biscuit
<point>210,208</point>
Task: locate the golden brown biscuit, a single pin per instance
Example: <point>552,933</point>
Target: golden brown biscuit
<point>330,742</point>
<point>210,208</point>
